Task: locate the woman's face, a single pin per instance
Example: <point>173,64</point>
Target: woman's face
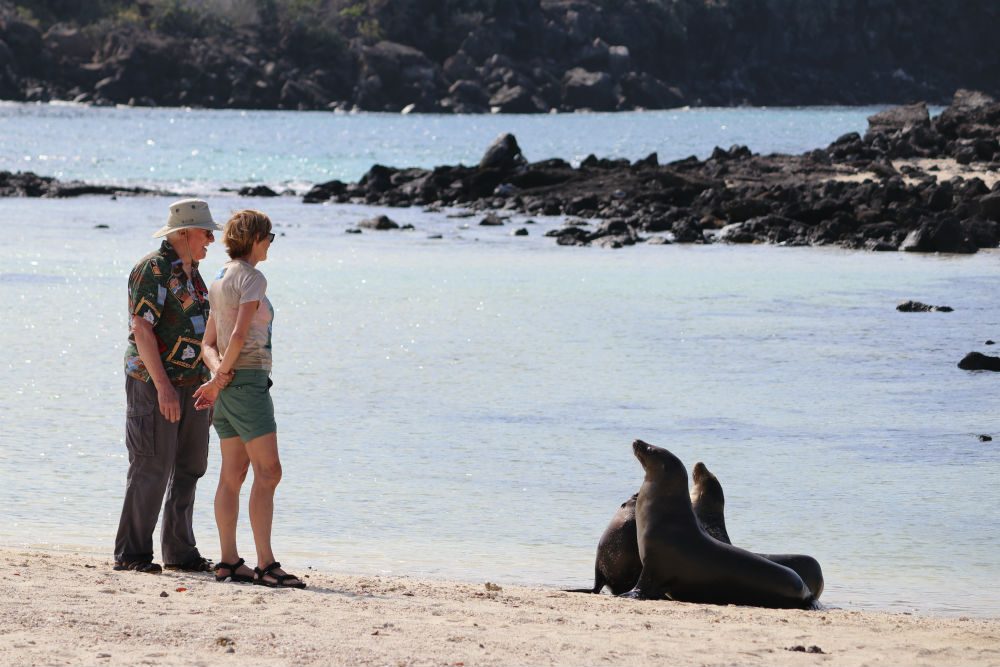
<point>261,247</point>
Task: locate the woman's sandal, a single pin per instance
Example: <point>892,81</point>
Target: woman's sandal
<point>279,579</point>
<point>234,576</point>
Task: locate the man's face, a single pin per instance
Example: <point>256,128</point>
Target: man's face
<point>198,242</point>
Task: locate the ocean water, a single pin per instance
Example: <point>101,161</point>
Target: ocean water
<point>199,151</point>
<point>463,407</point>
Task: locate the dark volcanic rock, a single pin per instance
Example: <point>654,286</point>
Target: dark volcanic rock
<point>503,154</point>
<point>975,361</point>
<point>517,99</point>
<point>944,234</point>
<point>525,54</point>
<point>750,198</point>
<point>29,184</point>
<point>326,191</point>
<point>918,307</point>
<point>257,191</point>
<point>588,90</point>
<point>379,222</point>
<point>899,119</point>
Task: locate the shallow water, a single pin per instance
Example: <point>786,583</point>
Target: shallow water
<point>464,407</point>
<point>193,150</point>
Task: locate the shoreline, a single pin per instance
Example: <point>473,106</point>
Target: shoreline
<point>71,608</point>
<point>911,183</point>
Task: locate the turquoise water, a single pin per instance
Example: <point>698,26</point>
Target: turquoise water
<point>200,150</point>
<point>463,407</point>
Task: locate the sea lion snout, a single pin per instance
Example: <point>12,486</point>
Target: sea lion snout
<point>699,472</point>
<point>643,451</point>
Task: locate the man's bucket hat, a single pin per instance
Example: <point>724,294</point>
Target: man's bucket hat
<point>188,213</point>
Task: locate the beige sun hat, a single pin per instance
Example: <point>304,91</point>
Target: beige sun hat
<point>188,213</point>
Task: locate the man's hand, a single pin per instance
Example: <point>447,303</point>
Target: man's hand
<point>170,403</point>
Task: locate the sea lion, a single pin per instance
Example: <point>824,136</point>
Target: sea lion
<point>683,562</point>
<point>709,503</point>
<point>617,564</point>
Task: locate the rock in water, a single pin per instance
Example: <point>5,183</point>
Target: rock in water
<point>975,361</point>
<point>918,307</point>
<point>379,222</point>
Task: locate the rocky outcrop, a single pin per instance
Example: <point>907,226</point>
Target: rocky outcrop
<point>29,184</point>
<point>516,56</point>
<point>848,194</point>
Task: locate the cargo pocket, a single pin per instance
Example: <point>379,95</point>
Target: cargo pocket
<point>140,430</point>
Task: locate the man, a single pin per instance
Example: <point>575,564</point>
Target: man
<point>167,438</point>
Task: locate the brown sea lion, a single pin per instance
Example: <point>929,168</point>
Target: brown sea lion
<point>709,503</point>
<point>617,564</point>
<point>683,562</point>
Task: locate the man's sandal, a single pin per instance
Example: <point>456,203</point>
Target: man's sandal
<point>195,564</point>
<point>279,579</point>
<point>234,576</point>
<point>144,566</point>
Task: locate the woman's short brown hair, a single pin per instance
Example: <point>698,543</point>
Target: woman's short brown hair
<point>243,230</point>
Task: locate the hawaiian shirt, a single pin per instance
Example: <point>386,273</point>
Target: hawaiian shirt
<point>177,306</point>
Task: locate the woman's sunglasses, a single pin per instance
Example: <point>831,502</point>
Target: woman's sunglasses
<point>270,237</point>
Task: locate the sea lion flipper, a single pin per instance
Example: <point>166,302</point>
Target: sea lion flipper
<point>599,581</point>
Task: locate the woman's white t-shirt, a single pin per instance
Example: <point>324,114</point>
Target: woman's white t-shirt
<point>238,283</point>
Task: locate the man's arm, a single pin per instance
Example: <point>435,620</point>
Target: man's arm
<point>149,353</point>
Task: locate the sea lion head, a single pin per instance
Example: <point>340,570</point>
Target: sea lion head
<point>706,494</point>
<point>661,467</point>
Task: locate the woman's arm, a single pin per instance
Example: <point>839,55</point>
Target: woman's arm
<point>244,316</point>
<point>223,368</point>
<point>210,346</point>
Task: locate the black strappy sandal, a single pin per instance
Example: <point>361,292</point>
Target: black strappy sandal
<point>234,576</point>
<point>279,579</point>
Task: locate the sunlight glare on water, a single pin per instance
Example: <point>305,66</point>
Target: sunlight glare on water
<point>464,407</point>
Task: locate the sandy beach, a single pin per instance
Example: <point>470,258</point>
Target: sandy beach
<point>63,608</point>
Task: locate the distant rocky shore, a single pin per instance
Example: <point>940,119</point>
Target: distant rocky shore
<point>909,183</point>
<point>29,184</point>
<point>515,56</point>
<point>880,191</point>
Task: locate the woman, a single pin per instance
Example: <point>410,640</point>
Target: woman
<point>237,343</point>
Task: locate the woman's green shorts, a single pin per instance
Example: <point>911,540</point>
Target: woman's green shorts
<point>244,408</point>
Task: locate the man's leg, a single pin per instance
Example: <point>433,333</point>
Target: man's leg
<point>190,463</point>
<point>151,442</point>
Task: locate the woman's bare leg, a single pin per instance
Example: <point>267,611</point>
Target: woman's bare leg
<point>263,453</point>
<point>233,471</point>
